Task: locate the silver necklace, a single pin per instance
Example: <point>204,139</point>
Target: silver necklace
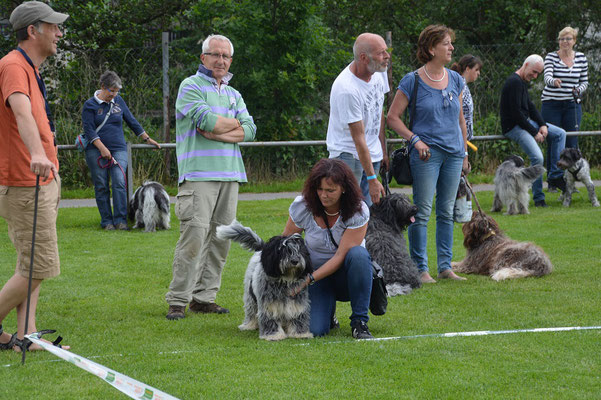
<point>331,215</point>
<point>444,73</point>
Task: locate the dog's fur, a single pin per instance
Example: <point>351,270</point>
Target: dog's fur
<point>149,207</point>
<point>512,182</point>
<point>385,242</point>
<point>274,270</point>
<point>576,169</point>
<point>490,252</point>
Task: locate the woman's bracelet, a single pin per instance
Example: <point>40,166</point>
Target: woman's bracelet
<point>414,139</point>
<point>311,279</point>
<point>369,178</point>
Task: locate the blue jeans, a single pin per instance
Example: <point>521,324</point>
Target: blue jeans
<point>439,174</point>
<point>566,114</point>
<point>352,281</point>
<point>102,178</point>
<point>357,169</point>
<point>556,140</point>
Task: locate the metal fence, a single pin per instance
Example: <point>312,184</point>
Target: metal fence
<point>131,147</point>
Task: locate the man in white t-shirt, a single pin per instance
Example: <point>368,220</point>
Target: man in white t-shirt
<point>356,131</point>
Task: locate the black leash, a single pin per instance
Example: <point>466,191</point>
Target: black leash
<point>35,221</point>
<point>467,183</point>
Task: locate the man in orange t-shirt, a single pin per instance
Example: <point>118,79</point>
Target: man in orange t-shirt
<point>27,150</point>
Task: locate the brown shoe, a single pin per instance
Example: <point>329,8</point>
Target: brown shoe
<point>426,278</point>
<point>122,226</point>
<point>449,274</point>
<point>207,308</point>
<point>176,312</point>
<point>109,227</point>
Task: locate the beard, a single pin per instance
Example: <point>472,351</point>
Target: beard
<point>374,66</point>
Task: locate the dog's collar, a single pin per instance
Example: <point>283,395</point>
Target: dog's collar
<point>575,172</point>
<point>489,234</point>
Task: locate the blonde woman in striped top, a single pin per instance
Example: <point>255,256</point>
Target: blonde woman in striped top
<point>566,78</point>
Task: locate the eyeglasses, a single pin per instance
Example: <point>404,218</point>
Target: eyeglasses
<point>218,55</point>
<point>565,39</point>
<point>113,91</point>
<point>447,97</point>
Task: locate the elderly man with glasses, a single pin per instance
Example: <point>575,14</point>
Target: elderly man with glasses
<point>522,123</point>
<point>211,119</point>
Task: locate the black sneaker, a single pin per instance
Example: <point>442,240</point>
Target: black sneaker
<point>540,203</point>
<point>360,330</point>
<point>334,324</point>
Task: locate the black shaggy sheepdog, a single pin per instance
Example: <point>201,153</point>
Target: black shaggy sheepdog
<point>149,207</point>
<point>278,266</point>
<point>386,244</point>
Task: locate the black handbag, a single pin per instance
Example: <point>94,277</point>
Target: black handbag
<point>378,301</point>
<point>400,168</point>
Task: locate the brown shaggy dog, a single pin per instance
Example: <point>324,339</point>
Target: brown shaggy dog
<point>490,252</point>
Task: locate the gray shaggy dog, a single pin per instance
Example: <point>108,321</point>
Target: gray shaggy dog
<point>490,252</point>
<point>386,244</point>
<point>576,169</point>
<point>276,267</point>
<point>149,207</point>
<point>512,182</point>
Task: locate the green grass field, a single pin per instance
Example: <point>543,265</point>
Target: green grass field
<point>108,303</point>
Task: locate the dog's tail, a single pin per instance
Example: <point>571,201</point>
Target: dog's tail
<point>511,273</point>
<point>162,200</point>
<point>241,234</point>
<point>532,172</point>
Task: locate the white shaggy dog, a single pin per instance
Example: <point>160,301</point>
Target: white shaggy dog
<point>576,169</point>
<point>274,270</point>
<point>512,182</point>
<point>149,207</point>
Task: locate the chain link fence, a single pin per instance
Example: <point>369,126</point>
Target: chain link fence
<point>72,77</point>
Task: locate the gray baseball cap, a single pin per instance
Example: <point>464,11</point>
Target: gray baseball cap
<point>31,12</point>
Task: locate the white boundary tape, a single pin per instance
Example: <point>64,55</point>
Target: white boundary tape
<point>131,387</point>
<point>472,333</point>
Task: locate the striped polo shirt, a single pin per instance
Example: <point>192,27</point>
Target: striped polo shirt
<point>574,77</point>
<point>200,101</point>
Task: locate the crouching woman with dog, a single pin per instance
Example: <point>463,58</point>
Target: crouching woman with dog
<point>334,218</point>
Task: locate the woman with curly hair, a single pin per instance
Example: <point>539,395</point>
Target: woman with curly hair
<point>334,218</point>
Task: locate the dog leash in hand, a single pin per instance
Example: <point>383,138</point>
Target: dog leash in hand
<point>469,186</point>
<point>384,176</point>
<point>111,163</point>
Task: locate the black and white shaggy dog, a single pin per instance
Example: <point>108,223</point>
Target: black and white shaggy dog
<point>277,267</point>
<point>512,182</point>
<point>149,207</point>
<point>386,244</point>
<point>576,169</point>
<point>490,252</point>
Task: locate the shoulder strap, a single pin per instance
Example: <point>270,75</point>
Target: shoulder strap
<point>108,114</point>
<point>413,101</point>
<point>325,219</point>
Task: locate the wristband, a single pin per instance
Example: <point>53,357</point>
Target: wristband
<point>311,279</point>
<point>369,178</point>
<point>466,154</point>
<point>414,139</point>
